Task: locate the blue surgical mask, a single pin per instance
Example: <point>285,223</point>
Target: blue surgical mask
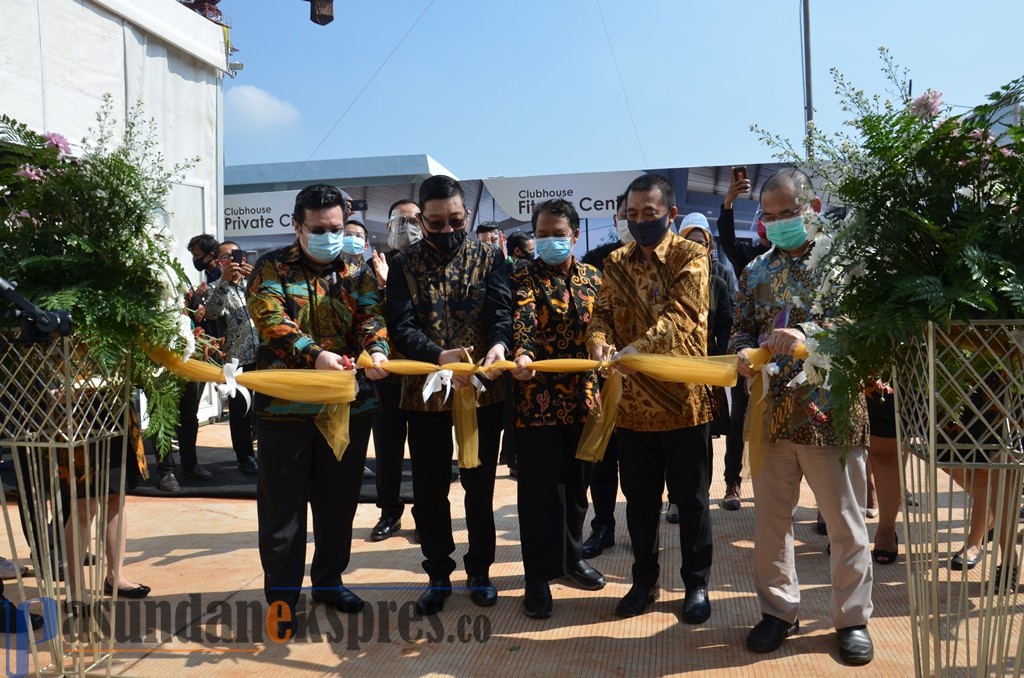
<point>352,244</point>
<point>787,234</point>
<point>323,247</point>
<point>554,250</point>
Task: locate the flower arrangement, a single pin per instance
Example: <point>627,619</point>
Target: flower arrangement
<point>82,232</point>
<point>933,227</point>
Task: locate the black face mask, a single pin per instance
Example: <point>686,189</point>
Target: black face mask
<point>201,263</point>
<point>648,233</point>
<point>446,243</point>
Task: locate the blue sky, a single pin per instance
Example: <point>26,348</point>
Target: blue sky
<point>531,87</point>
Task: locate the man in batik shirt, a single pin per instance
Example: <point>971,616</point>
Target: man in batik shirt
<point>554,298</point>
<point>311,314</point>
<point>448,301</point>
<point>654,299</point>
<point>773,306</point>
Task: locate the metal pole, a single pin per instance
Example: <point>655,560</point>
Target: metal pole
<point>808,103</point>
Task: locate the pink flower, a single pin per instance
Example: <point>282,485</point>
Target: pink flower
<point>59,141</point>
<point>29,172</point>
<point>928,105</point>
<point>1007,152</point>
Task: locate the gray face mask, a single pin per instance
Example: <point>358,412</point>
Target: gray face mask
<point>403,231</point>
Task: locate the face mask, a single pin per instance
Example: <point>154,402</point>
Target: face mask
<point>554,250</point>
<point>648,233</point>
<point>623,230</point>
<point>446,243</point>
<point>787,234</point>
<point>352,244</point>
<point>404,232</point>
<point>323,247</point>
<point>201,263</point>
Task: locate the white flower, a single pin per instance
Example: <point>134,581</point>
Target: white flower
<point>185,331</point>
<point>797,302</point>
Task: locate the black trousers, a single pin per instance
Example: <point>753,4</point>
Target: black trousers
<point>734,439</point>
<point>508,437</point>
<point>188,428</point>
<point>241,419</point>
<point>431,448</point>
<point>552,493</point>
<point>680,458</point>
<point>389,431</point>
<point>298,466</point>
<point>604,486</point>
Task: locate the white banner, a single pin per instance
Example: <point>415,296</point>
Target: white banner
<point>247,214</point>
<point>593,193</point>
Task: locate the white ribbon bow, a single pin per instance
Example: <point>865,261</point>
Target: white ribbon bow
<point>769,370</point>
<point>230,387</point>
<point>437,381</point>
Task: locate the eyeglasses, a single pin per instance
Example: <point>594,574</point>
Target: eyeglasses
<point>320,230</point>
<point>439,224</point>
<point>403,221</point>
<point>785,214</point>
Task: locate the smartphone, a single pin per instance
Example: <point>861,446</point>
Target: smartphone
<point>739,173</point>
<point>359,206</point>
<point>237,256</point>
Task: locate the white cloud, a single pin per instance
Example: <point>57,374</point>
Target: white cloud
<point>252,109</point>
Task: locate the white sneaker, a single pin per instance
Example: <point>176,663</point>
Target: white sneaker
<point>9,569</point>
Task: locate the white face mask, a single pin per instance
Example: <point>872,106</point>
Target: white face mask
<point>403,232</point>
<point>622,228</point>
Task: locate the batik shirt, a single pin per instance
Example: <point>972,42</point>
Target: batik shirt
<point>659,306</point>
<point>301,309</point>
<point>776,291</point>
<point>551,312</point>
<point>437,302</point>
<point>226,304</point>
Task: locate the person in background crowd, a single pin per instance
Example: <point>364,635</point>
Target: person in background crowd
<point>490,233</point>
<point>227,306</point>
<point>604,481</point>
<point>521,249</point>
<point>312,312</point>
<point>448,301</point>
<point>390,424</point>
<point>801,440</point>
<point>654,299</point>
<point>204,258</point>
<point>554,299</point>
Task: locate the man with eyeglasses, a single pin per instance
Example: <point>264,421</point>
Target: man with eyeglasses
<point>390,424</point>
<point>654,299</point>
<point>773,308</point>
<point>226,305</point>
<point>449,301</point>
<point>312,312</point>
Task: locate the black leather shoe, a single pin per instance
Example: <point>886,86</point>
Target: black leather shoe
<point>341,599</point>
<point>600,539</point>
<point>482,591</point>
<point>537,603</point>
<point>384,528</point>
<point>197,472</point>
<point>637,599</point>
<point>248,466</point>
<point>855,646</point>
<point>581,575</point>
<point>1006,578</point>
<point>696,606</point>
<point>432,600</point>
<point>140,591</point>
<point>769,633</point>
<point>11,621</point>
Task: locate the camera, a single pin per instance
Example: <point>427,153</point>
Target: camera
<point>359,206</point>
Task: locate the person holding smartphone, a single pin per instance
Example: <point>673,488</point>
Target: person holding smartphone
<point>227,306</point>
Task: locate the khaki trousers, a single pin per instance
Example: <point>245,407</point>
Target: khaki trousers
<point>839,494</point>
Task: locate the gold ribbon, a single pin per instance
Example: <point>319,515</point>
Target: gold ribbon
<point>334,389</point>
<point>758,427</point>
